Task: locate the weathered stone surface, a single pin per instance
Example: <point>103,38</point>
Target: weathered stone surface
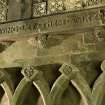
<point>19,9</point>
<point>64,63</point>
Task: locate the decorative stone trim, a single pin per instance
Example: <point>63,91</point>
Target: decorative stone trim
<point>39,9</point>
<point>3,10</point>
<point>55,6</point>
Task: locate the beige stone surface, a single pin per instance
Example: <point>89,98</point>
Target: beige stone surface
<point>4,100</point>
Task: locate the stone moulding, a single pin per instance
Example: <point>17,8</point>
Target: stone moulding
<point>68,22</point>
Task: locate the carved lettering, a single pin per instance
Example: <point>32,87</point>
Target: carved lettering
<point>59,22</point>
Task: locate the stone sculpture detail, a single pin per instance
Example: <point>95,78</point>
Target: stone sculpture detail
<point>57,58</point>
<point>3,10</point>
<point>41,8</point>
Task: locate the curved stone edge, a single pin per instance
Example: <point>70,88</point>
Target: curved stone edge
<point>70,73</point>
<point>21,92</point>
<point>7,84</point>
<point>38,80</point>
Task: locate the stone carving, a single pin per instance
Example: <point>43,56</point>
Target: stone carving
<point>66,69</point>
<point>77,4</point>
<point>100,34</point>
<point>72,4</point>
<point>39,8</point>
<point>29,71</point>
<point>55,23</point>
<point>53,84</point>
<point>55,6</point>
<point>3,10</point>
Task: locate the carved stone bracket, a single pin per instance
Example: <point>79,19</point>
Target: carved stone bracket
<point>60,85</point>
<point>39,9</point>
<point>37,77</point>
